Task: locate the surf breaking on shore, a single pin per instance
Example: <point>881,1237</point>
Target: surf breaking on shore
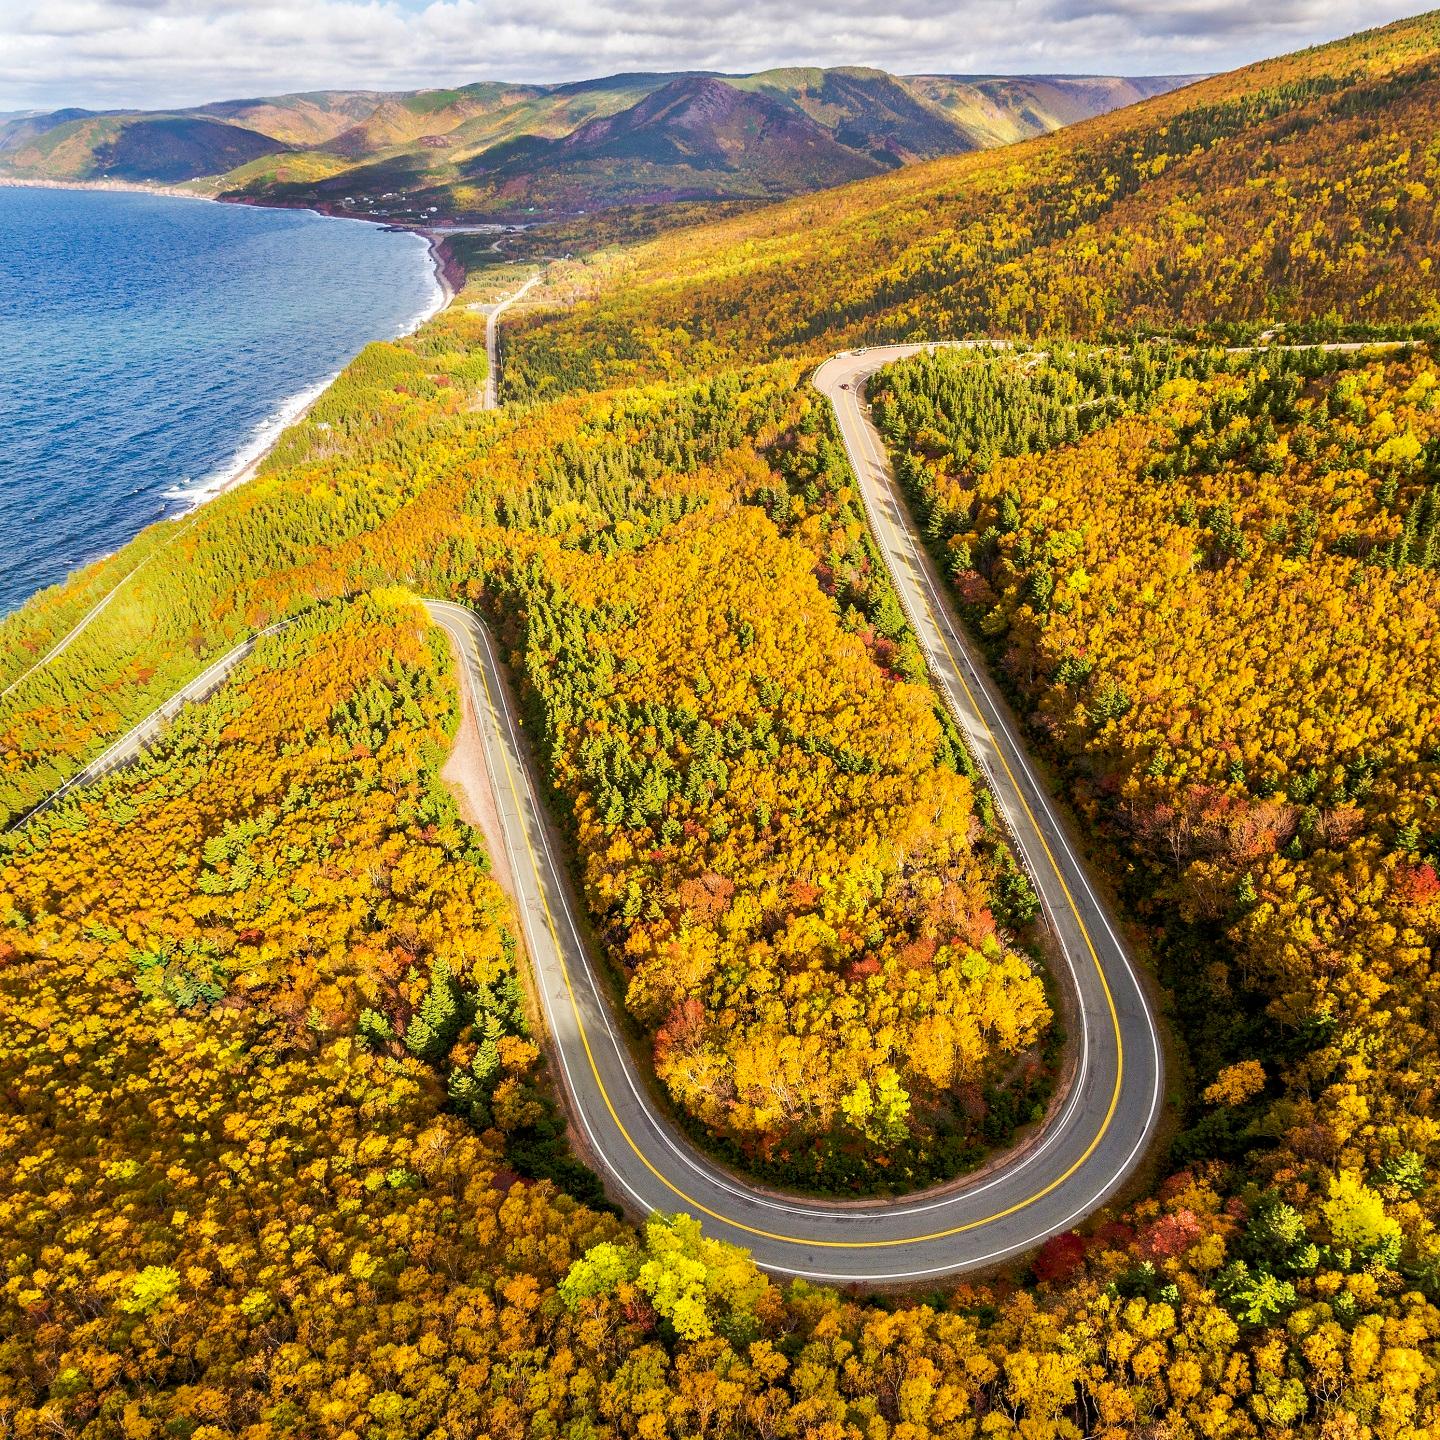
<point>178,499</point>
<point>243,463</point>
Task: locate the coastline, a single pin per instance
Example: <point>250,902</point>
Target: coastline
<point>298,406</point>
<point>250,451</point>
<point>448,275</point>
<point>448,271</point>
<point>125,187</point>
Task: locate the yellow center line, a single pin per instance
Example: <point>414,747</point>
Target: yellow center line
<point>784,1238</point>
<point>1040,835</point>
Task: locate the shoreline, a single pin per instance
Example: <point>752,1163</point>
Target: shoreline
<point>448,277</point>
<point>124,187</point>
<point>438,228</point>
<point>449,272</point>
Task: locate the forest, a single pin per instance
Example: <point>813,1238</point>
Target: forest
<point>1210,581</point>
<point>269,1094</point>
<point>1298,192</point>
<point>782,845</point>
<point>283,1153</point>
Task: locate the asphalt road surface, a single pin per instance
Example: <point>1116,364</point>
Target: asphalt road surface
<point>137,739</point>
<point>493,313</point>
<point>1095,1136</point>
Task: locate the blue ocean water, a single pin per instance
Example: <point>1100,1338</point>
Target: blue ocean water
<point>150,346</point>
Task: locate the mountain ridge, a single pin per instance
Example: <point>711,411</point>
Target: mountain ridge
<point>479,149</point>
<point>1224,208</point>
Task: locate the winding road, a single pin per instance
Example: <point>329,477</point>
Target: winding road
<point>1093,1140</point>
<point>1086,1152</point>
<point>1094,1137</point>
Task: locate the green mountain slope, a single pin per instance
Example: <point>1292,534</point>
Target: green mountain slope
<point>868,110</point>
<point>696,138</point>
<point>300,120</point>
<point>1301,190</point>
<point>999,110</point>
<point>19,127</point>
<point>492,148</point>
<point>161,148</point>
<point>399,120</point>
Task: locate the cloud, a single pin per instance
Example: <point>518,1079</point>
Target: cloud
<point>117,53</point>
<point>1221,23</point>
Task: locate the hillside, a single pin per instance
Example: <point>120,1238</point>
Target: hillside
<point>285,1157</point>
<point>18,128</point>
<point>999,110</point>
<point>878,114</point>
<point>693,139</point>
<point>1297,191</point>
<point>481,149</point>
<point>400,120</point>
<point>165,149</point>
<point>299,120</point>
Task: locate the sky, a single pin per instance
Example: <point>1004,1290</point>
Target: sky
<point>107,54</point>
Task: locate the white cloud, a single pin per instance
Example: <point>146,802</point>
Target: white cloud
<point>114,53</point>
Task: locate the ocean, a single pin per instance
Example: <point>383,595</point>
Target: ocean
<point>152,346</point>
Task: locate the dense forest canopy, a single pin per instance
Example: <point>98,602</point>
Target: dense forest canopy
<point>811,914</point>
<point>1298,191</point>
<point>1218,603</point>
<point>283,1158</point>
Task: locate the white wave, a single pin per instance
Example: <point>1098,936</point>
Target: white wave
<point>263,437</point>
<point>439,293</point>
<point>260,440</point>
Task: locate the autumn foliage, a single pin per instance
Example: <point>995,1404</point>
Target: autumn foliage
<point>1301,191</point>
<point>280,1154</point>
